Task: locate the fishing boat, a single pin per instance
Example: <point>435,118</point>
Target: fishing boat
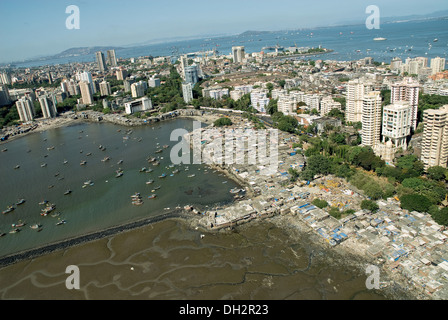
<point>61,222</point>
<point>143,169</point>
<point>17,167</point>
<point>65,161</point>
<point>379,39</point>
<point>166,146</point>
<point>119,174</point>
<point>18,225</point>
<point>89,154</point>
<point>156,163</point>
<point>2,234</point>
<point>14,230</point>
<point>176,171</point>
<point>191,175</point>
<point>83,163</point>
<point>4,150</point>
<point>35,226</point>
<point>151,159</point>
<point>162,176</point>
<point>120,162</point>
<point>153,196</point>
<point>67,192</point>
<point>105,159</point>
<point>8,210</point>
<point>149,170</point>
<point>21,201</point>
<point>43,165</point>
<point>43,202</point>
<point>47,210</point>
<point>50,148</point>
<point>159,151</point>
<point>150,182</point>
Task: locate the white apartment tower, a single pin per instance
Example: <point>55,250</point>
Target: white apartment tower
<point>397,119</point>
<point>437,65</point>
<point>356,89</point>
<point>25,108</point>
<point>105,89</point>
<point>86,92</point>
<point>187,92</point>
<point>111,58</point>
<point>238,54</point>
<point>435,137</point>
<point>407,90</point>
<point>101,61</point>
<point>48,107</point>
<point>371,119</point>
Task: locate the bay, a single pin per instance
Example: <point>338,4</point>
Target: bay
<point>351,42</point>
<point>107,202</point>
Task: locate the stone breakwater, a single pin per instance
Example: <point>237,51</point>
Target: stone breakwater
<point>65,244</point>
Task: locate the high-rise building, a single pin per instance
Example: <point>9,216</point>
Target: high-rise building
<point>397,119</point>
<point>87,76</point>
<point>238,54</point>
<point>371,119</point>
<point>73,88</point>
<point>48,107</point>
<point>5,98</point>
<point>121,74</point>
<point>101,61</point>
<point>407,90</point>
<point>435,137</point>
<point>183,63</point>
<point>138,89</point>
<point>437,65</point>
<point>25,108</point>
<point>105,89</point>
<point>111,58</point>
<point>5,78</point>
<point>187,92</point>
<point>127,84</point>
<point>86,92</point>
<point>191,74</point>
<point>356,89</point>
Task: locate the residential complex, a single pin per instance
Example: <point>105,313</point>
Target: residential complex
<point>435,137</point>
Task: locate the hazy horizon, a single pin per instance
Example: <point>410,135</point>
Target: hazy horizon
<point>38,28</point>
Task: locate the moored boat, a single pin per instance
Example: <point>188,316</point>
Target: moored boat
<point>153,196</point>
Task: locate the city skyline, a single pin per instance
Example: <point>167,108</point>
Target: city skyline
<point>38,28</point>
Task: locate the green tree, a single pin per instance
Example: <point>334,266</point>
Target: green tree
<point>415,202</point>
<point>223,122</point>
<point>320,203</point>
<point>437,173</point>
<point>370,205</point>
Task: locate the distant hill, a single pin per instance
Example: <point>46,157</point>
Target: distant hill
<point>82,51</point>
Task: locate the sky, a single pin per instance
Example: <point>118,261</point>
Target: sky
<point>31,28</point>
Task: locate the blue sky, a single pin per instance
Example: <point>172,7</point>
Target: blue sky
<point>31,28</point>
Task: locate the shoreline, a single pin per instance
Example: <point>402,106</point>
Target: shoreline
<point>194,220</point>
<point>89,237</point>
